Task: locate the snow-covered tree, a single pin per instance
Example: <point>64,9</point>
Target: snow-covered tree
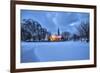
<point>32,31</point>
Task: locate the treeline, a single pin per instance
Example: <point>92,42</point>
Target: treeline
<point>33,31</point>
<point>82,34</point>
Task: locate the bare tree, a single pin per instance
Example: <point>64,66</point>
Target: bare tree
<point>65,35</point>
<point>83,30</point>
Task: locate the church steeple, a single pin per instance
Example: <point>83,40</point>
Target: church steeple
<point>58,31</point>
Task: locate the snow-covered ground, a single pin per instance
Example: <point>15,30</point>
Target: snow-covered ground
<point>54,51</point>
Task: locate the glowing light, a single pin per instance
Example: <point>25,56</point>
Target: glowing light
<point>55,38</point>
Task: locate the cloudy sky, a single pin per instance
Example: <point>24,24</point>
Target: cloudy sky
<point>65,21</point>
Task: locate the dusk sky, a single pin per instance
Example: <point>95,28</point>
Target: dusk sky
<point>65,21</point>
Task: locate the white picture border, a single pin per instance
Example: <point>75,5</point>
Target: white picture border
<point>58,63</point>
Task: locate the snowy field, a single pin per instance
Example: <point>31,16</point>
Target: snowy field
<point>54,51</point>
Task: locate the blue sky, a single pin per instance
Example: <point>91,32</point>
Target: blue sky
<point>65,21</point>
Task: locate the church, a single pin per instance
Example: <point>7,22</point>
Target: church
<point>56,37</point>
